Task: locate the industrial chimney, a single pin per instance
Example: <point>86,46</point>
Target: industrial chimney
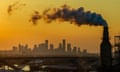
<point>106,51</point>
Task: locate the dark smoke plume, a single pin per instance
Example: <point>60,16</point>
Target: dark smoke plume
<point>76,16</point>
<point>35,17</point>
<point>14,6</point>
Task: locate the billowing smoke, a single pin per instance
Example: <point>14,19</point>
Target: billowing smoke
<point>35,17</point>
<point>14,6</point>
<point>76,16</point>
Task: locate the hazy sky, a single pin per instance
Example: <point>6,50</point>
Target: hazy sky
<point>16,28</point>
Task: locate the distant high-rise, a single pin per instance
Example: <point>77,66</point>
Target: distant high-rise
<point>35,46</point>
<point>51,46</point>
<point>79,50</point>
<point>68,47</point>
<point>15,48</point>
<point>74,49</point>
<point>41,46</point>
<point>46,44</point>
<point>60,45</point>
<point>20,47</point>
<point>64,44</point>
<point>26,46</point>
<point>85,51</point>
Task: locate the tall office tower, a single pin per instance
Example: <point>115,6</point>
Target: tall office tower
<point>106,51</point>
<point>79,50</point>
<point>64,44</point>
<point>46,44</point>
<point>20,47</point>
<point>74,49</point>
<point>85,51</point>
<point>60,45</point>
<point>15,49</point>
<point>26,46</point>
<point>68,47</point>
<point>51,47</point>
<point>35,46</point>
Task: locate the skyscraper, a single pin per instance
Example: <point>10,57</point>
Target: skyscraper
<point>74,49</point>
<point>79,50</point>
<point>60,45</point>
<point>64,44</point>
<point>68,47</point>
<point>46,44</point>
<point>51,46</point>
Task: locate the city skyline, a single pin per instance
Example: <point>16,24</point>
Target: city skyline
<point>16,28</point>
<point>46,49</point>
<point>64,45</point>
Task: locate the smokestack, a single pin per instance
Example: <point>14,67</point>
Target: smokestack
<point>106,51</point>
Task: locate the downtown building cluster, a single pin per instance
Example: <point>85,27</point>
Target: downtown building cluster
<point>46,49</point>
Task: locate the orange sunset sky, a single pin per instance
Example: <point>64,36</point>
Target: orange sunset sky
<point>16,28</point>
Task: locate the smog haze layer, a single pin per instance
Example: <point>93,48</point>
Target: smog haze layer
<point>16,27</point>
